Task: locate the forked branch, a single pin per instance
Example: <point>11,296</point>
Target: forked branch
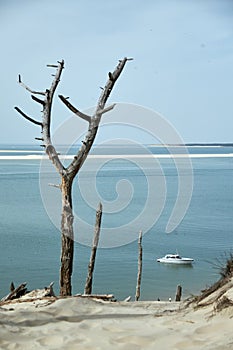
<point>46,118</point>
<point>107,109</point>
<point>56,79</point>
<point>79,159</point>
<point>111,82</point>
<point>93,121</point>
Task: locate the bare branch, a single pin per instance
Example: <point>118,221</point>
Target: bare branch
<point>75,110</point>
<point>110,76</point>
<point>54,185</point>
<point>110,83</point>
<point>38,100</point>
<point>107,109</point>
<point>39,138</point>
<point>28,89</point>
<point>45,124</point>
<point>46,120</point>
<point>52,65</point>
<point>27,117</point>
<point>79,159</point>
<point>56,78</point>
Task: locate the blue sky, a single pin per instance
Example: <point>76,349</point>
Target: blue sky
<point>182,68</point>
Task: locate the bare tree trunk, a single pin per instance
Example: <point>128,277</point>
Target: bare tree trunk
<point>67,239</point>
<point>91,266</point>
<point>139,277</point>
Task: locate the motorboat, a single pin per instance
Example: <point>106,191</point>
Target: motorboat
<point>175,259</point>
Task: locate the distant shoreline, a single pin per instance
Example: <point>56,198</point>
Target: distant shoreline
<point>228,144</point>
<point>195,145</point>
<point>188,144</point>
<point>122,156</point>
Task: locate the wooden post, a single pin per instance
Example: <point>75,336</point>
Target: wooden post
<point>178,293</point>
<point>88,285</point>
<point>139,277</point>
<point>12,287</point>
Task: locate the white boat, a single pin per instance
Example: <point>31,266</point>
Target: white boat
<point>175,259</point>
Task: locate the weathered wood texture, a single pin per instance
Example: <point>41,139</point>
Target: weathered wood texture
<point>12,287</point>
<point>139,276</point>
<point>67,239</point>
<point>91,266</point>
<point>105,297</point>
<point>22,293</point>
<point>178,293</point>
<point>16,292</point>
<point>68,173</point>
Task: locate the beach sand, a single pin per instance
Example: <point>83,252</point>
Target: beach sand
<point>81,323</point>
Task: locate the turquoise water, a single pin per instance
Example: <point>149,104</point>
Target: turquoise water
<point>30,242</point>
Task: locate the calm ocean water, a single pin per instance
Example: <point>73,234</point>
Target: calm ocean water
<point>30,242</point>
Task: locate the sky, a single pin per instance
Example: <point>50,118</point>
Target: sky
<point>182,67</point>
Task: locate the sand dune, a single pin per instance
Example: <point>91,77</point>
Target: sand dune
<point>77,323</point>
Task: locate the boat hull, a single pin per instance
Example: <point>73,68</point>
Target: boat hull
<point>176,262</point>
<point>175,259</point>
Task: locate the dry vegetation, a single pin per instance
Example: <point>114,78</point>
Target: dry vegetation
<point>215,293</point>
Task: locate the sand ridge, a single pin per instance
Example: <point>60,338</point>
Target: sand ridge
<point>77,323</point>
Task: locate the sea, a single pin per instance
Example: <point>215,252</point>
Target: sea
<point>139,189</point>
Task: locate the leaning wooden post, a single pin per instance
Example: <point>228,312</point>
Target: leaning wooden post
<point>88,285</point>
<point>178,293</point>
<point>139,277</point>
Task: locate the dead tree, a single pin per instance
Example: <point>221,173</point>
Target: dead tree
<point>139,277</point>
<point>91,266</point>
<point>68,173</point>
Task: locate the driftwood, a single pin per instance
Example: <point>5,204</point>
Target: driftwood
<point>68,173</point>
<point>16,293</point>
<point>223,303</point>
<point>139,277</point>
<point>22,293</point>
<point>127,299</point>
<point>40,293</point>
<point>91,266</point>
<point>105,297</point>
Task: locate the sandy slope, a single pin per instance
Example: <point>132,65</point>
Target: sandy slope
<point>76,323</point>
